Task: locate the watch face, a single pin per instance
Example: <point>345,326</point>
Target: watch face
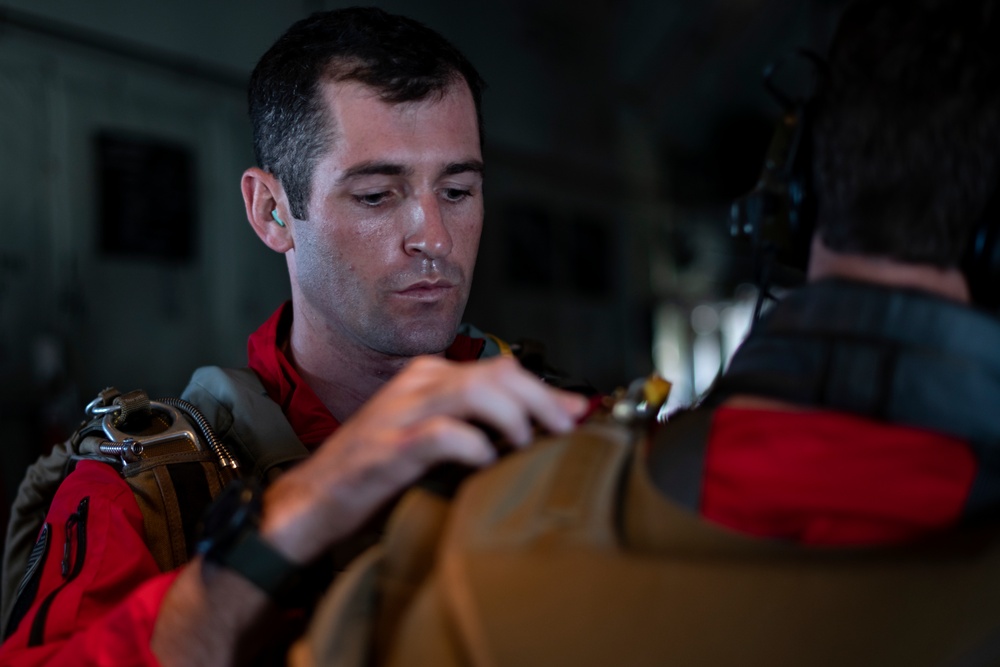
<point>235,510</point>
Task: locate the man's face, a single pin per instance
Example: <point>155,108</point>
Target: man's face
<point>386,257</point>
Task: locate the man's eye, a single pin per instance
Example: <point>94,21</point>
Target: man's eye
<point>456,194</point>
<point>372,199</point>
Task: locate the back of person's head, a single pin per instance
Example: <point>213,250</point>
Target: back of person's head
<point>907,128</point>
<point>401,59</point>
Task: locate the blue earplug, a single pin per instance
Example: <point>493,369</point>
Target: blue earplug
<point>274,214</point>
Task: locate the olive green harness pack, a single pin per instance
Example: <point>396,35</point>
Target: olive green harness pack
<point>175,454</point>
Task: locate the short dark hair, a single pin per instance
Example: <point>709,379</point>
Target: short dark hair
<point>400,58</point>
<point>907,128</point>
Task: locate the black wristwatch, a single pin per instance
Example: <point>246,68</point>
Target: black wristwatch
<point>231,538</point>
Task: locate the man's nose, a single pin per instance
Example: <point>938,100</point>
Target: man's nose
<point>428,234</point>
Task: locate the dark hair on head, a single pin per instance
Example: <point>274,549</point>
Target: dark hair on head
<point>907,128</point>
<point>400,58</point>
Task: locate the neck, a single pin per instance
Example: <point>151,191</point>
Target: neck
<point>827,263</point>
<point>342,375</point>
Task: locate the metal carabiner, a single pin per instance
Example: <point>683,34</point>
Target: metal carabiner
<point>97,407</point>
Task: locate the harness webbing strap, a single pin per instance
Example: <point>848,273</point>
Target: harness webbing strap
<point>193,496</point>
<point>676,457</point>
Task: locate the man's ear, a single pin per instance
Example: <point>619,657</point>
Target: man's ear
<point>267,209</point>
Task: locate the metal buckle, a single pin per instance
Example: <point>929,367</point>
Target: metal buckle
<point>130,447</point>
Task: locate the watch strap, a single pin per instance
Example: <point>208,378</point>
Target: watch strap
<point>264,566</point>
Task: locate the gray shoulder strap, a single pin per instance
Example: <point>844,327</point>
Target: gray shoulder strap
<point>245,418</point>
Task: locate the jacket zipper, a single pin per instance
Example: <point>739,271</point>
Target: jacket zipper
<point>76,526</point>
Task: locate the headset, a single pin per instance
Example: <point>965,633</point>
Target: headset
<point>778,216</point>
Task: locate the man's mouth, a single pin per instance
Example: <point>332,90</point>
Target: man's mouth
<point>426,290</point>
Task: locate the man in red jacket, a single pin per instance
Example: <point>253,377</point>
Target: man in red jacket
<point>367,131</point>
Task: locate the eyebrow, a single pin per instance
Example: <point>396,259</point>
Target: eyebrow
<point>475,166</point>
<point>373,169</point>
<point>392,169</point>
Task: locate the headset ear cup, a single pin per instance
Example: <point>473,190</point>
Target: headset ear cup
<point>801,221</point>
<point>981,262</point>
<point>802,205</point>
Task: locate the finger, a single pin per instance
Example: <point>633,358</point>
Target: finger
<point>440,439</point>
<point>497,407</point>
<point>554,409</point>
<point>508,400</point>
<point>498,393</point>
<point>576,405</point>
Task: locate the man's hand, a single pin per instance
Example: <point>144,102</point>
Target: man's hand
<point>422,417</point>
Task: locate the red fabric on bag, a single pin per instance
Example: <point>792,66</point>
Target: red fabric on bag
<point>104,616</point>
<point>828,478</point>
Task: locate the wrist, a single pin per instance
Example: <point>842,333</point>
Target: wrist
<point>232,540</point>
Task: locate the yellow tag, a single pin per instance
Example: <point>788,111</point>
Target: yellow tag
<point>655,391</point>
